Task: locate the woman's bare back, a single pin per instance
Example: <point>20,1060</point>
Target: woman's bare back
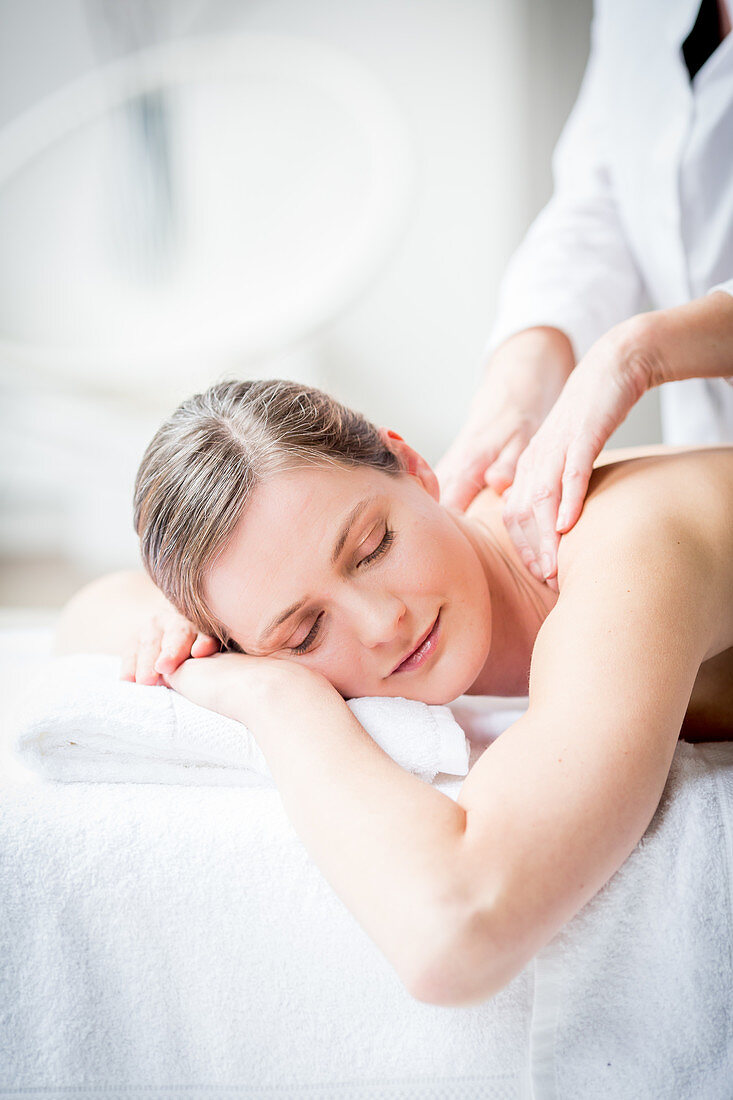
<point>695,484</point>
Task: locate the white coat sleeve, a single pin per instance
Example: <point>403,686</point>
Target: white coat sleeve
<point>727,286</point>
<point>574,270</point>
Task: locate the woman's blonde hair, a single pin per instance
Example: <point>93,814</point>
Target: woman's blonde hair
<point>202,465</point>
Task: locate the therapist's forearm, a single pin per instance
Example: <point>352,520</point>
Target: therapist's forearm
<point>531,368</point>
<point>386,841</point>
<point>694,340</point>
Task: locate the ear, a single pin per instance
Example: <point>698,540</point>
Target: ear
<point>412,463</point>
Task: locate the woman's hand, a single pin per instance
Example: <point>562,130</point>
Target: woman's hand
<point>163,643</point>
<point>523,378</point>
<point>243,687</point>
<point>553,472</point>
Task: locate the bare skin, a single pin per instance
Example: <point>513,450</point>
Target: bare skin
<point>709,714</point>
<point>634,650</point>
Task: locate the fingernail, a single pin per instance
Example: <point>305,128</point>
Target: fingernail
<point>562,519</point>
<point>535,570</point>
<point>546,566</point>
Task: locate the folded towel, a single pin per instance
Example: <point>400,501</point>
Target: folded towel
<point>79,722</point>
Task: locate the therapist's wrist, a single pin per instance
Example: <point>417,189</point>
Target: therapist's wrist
<point>692,340</point>
<point>637,353</point>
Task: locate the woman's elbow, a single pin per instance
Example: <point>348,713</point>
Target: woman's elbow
<point>473,970</point>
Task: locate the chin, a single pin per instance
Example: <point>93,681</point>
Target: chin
<point>436,687</point>
<point>445,685</point>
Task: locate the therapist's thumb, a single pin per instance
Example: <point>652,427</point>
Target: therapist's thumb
<point>460,481</point>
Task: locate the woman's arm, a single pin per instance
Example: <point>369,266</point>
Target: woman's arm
<point>460,896</point>
<point>561,799</point>
<point>125,614</point>
<point>385,840</point>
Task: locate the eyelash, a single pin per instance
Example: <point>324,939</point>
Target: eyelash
<point>383,547</point>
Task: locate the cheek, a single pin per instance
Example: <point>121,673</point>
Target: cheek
<point>338,659</point>
<point>420,560</point>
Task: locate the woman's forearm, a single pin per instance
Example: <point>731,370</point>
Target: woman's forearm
<point>386,841</point>
<point>103,616</point>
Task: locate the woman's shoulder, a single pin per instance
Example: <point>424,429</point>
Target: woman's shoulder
<point>669,481</point>
<point>659,511</point>
<point>716,452</point>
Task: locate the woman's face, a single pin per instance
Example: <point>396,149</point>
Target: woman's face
<point>348,571</point>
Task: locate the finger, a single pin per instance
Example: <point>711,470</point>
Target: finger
<point>463,487</point>
<point>128,664</point>
<point>549,540</point>
<point>461,477</point>
<point>522,504</point>
<point>459,494</point>
<point>575,479</point>
<point>518,517</point>
<point>500,474</point>
<point>147,654</point>
<point>204,646</point>
<point>175,646</point>
<point>545,503</point>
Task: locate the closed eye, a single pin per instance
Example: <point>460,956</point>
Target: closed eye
<point>309,639</point>
<point>383,547</point>
<point>312,634</point>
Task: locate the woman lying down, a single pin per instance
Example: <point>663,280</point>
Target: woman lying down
<point>311,548</point>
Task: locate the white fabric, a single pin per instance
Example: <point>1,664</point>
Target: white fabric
<point>179,941</point>
<point>80,722</point>
<point>634,994</point>
<point>642,210</point>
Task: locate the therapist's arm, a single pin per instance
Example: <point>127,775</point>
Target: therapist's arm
<point>694,340</point>
<point>572,278</point>
<point>521,382</point>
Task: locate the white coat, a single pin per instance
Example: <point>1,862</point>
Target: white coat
<point>642,212</point>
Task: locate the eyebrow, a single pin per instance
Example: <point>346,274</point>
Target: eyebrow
<point>338,547</point>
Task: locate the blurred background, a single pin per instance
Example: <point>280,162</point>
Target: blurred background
<point>193,189</point>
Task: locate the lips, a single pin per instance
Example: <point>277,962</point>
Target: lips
<point>420,653</point>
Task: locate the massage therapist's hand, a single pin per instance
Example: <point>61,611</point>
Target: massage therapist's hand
<point>522,381</point>
<point>553,471</point>
<point>161,645</point>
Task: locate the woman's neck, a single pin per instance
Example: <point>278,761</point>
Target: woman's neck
<point>519,603</point>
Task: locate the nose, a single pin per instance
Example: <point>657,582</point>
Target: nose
<point>377,617</point>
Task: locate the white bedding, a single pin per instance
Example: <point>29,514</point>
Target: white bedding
<point>179,941</point>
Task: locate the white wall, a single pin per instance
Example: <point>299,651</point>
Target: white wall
<point>483,86</point>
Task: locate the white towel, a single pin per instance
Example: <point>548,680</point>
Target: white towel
<point>634,997</point>
<point>80,723</point>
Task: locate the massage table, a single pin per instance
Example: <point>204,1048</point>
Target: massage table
<point>171,941</point>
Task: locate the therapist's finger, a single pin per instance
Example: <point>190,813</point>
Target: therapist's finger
<point>501,473</point>
<point>576,476</point>
<point>519,522</point>
<point>546,490</point>
<point>462,478</point>
<point>546,500</point>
